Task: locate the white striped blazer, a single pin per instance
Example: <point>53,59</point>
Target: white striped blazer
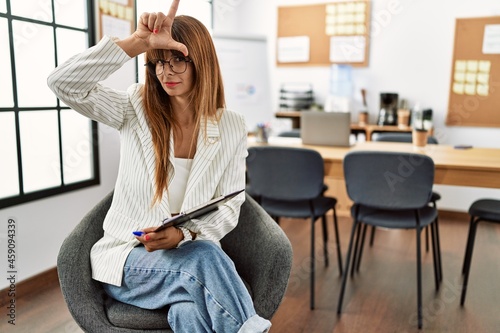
<point>218,165</point>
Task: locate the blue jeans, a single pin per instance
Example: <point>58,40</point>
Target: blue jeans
<point>198,281</point>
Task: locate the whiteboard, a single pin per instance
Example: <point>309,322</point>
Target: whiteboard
<point>244,67</point>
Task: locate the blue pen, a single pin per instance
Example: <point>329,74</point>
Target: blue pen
<point>138,233</point>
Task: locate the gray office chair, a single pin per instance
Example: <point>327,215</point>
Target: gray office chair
<point>293,133</point>
<point>384,195</point>
<point>487,210</point>
<point>289,183</point>
<point>406,137</point>
<point>259,248</point>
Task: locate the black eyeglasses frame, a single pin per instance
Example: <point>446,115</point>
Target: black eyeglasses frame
<point>151,65</point>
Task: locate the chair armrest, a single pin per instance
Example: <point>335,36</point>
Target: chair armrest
<point>83,295</point>
<point>262,254</point>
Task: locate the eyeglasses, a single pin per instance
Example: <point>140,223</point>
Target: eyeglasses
<point>178,65</point>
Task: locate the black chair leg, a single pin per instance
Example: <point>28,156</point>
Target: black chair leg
<point>435,257</point>
<point>356,248</point>
<point>337,239</point>
<point>438,247</point>
<point>361,248</point>
<point>325,240</point>
<point>312,262</point>
<point>346,269</point>
<point>372,235</point>
<point>468,257</point>
<point>419,280</point>
<point>467,246</point>
<point>427,239</point>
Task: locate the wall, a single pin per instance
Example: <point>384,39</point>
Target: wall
<point>411,53</point>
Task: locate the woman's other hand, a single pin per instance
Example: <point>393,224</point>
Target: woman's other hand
<point>165,239</point>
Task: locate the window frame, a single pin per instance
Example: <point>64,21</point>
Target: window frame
<point>22,196</point>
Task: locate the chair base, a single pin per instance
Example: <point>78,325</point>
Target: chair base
<point>356,241</point>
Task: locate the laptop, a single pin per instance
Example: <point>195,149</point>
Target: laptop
<point>325,128</point>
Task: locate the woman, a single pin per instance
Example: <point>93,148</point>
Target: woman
<point>179,149</point>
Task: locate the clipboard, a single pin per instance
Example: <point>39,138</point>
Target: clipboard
<point>197,211</point>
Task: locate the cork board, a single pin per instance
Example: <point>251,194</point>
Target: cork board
<point>116,18</point>
<point>474,98</point>
<point>336,33</point>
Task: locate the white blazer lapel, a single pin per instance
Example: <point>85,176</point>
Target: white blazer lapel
<point>145,138</point>
<point>206,150</point>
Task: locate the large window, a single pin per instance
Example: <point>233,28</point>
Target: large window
<point>45,148</point>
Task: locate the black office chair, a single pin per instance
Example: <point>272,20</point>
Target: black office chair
<point>401,137</point>
<point>293,133</point>
<point>385,194</point>
<point>289,183</point>
<point>406,137</point>
<point>487,210</point>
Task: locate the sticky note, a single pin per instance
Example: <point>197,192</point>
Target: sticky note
<point>330,19</point>
<point>484,66</point>
<point>483,78</point>
<point>360,29</point>
<point>104,6</point>
<point>112,8</point>
<point>460,66</point>
<point>120,11</point>
<point>349,29</point>
<point>129,14</point>
<point>360,7</point>
<point>482,89</point>
<point>470,77</point>
<point>331,9</point>
<point>472,65</point>
<point>458,88</point>
<point>359,18</point>
<point>470,89</point>
<point>459,77</point>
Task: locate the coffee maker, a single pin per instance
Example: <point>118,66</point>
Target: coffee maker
<point>388,109</point>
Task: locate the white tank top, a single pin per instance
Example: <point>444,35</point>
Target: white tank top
<point>178,186</point>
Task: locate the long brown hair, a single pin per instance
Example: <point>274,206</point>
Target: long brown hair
<point>207,95</point>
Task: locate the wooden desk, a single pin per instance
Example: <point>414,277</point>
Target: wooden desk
<point>368,129</point>
<point>477,167</point>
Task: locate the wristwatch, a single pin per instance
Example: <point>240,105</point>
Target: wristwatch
<point>187,235</point>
